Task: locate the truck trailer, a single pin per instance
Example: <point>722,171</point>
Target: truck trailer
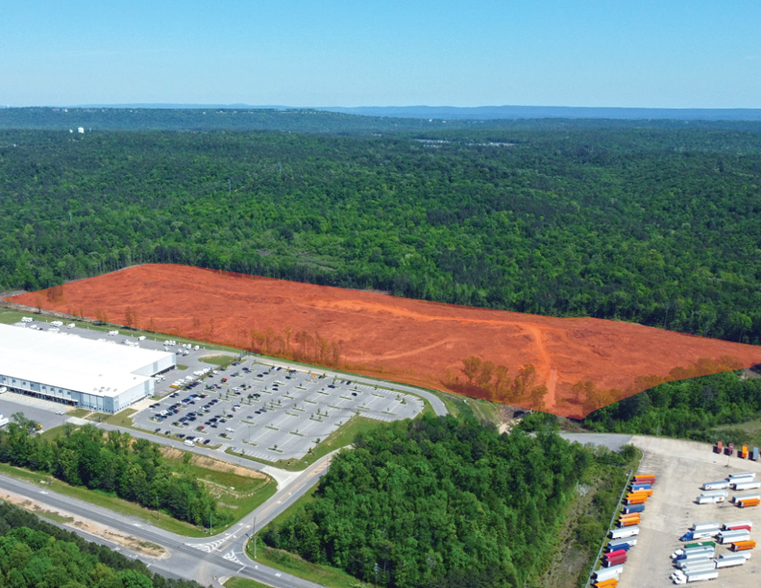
<point>616,543</point>
<point>705,526</point>
<point>700,544</point>
<point>684,564</point>
<point>616,553</point>
<point>719,485</point>
<point>632,508</point>
<point>607,573</point>
<point>710,499</point>
<point>749,485</point>
<point>624,532</point>
<point>743,545</point>
<point>748,502</point>
<point>693,535</point>
<point>703,566</point>
<point>729,562</point>
<point>734,525</point>
<point>685,561</point>
<point>694,553</point>
<point>697,577</point>
<point>733,536</point>
<point>740,475</point>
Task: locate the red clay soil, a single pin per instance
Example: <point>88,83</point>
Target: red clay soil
<point>409,341</point>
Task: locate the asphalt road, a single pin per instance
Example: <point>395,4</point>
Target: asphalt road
<point>612,441</point>
<point>203,559</point>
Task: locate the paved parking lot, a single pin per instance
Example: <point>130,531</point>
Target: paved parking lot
<point>262,410</point>
<point>271,413</point>
<point>38,410</point>
<point>681,467</point>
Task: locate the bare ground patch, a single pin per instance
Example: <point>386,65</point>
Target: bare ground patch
<point>212,464</point>
<point>131,543</point>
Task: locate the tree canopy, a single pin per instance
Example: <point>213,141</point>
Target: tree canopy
<point>646,224</point>
<point>37,554</point>
<point>114,462</point>
<point>439,502</point>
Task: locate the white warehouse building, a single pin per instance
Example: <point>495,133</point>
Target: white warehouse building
<point>90,374</point>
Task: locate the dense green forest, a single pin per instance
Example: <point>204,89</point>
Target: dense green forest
<point>638,223</point>
<point>439,502</point>
<point>708,408</point>
<point>112,462</point>
<point>36,554</point>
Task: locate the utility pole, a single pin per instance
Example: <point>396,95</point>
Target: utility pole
<point>254,536</point>
<point>211,524</point>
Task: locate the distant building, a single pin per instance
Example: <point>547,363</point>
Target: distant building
<point>81,130</point>
<point>79,372</point>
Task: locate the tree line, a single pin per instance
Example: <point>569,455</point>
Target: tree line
<point>691,409</point>
<point>439,502</point>
<point>651,225</point>
<point>487,380</point>
<point>112,462</point>
<point>37,554</point>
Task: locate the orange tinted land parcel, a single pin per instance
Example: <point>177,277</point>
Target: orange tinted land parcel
<point>567,366</point>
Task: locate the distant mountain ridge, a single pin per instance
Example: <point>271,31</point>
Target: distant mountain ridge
<point>483,112</point>
<point>567,112</point>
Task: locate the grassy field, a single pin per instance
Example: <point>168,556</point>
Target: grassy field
<point>244,583</point>
<point>747,433</point>
<point>51,434</point>
<point>293,564</point>
<point>79,412</point>
<point>120,419</point>
<point>220,360</point>
<point>340,438</point>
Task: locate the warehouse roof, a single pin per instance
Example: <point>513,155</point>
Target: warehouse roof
<point>68,361</point>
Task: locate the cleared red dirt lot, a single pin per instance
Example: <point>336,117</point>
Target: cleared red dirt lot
<point>409,341</point>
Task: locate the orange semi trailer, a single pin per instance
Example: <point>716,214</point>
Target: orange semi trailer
<point>749,502</point>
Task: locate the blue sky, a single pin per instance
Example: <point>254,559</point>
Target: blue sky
<point>666,53</point>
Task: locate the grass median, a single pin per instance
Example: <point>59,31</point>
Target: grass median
<point>295,565</point>
<point>244,583</point>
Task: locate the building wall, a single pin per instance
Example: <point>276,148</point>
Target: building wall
<point>39,389</point>
<point>129,397</point>
<point>86,400</point>
<point>164,364</point>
